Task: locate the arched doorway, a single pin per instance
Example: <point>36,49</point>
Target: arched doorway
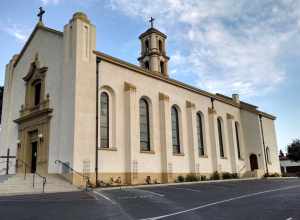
<point>253,162</point>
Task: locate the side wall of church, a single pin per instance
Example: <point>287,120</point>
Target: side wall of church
<point>125,156</point>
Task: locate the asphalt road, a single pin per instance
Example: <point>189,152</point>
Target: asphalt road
<point>255,199</point>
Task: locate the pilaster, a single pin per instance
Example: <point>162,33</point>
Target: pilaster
<point>213,130</point>
<point>232,143</point>
<point>192,134</point>
<point>131,166</point>
<point>165,137</point>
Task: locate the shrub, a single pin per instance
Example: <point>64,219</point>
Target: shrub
<point>191,178</point>
<point>234,176</point>
<point>203,178</point>
<point>180,179</point>
<point>215,176</point>
<point>272,175</point>
<point>148,180</point>
<point>226,175</point>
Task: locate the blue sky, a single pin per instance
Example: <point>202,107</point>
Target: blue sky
<point>226,46</point>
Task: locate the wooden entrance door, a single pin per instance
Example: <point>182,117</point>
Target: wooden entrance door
<point>34,156</point>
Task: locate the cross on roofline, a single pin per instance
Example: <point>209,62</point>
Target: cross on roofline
<point>152,21</point>
<point>41,13</point>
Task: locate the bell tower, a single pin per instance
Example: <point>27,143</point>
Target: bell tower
<point>153,51</point>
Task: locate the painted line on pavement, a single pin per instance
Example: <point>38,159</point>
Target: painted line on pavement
<point>104,196</point>
<point>220,202</point>
<point>187,189</point>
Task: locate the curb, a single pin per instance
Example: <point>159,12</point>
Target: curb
<point>190,183</point>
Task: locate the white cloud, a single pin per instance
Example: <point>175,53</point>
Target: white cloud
<point>20,33</point>
<point>229,46</point>
<point>47,2</point>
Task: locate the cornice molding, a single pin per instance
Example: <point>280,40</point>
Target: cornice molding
<point>190,104</point>
<point>129,87</point>
<point>163,97</point>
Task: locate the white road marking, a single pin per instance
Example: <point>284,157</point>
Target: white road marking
<point>153,193</point>
<point>220,202</point>
<point>187,189</point>
<point>103,196</point>
<point>290,218</point>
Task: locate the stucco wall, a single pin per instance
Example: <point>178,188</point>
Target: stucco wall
<point>49,48</point>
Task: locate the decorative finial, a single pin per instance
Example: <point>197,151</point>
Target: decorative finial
<point>40,14</point>
<point>152,21</point>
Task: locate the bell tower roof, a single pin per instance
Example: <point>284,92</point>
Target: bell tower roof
<point>152,30</point>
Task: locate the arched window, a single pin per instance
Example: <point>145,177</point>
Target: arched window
<point>162,67</point>
<point>237,135</point>
<point>200,134</point>
<point>175,130</point>
<point>104,120</point>
<point>37,93</point>
<point>160,46</point>
<point>147,45</point>
<point>144,125</point>
<point>220,133</point>
<point>268,155</point>
<point>147,65</point>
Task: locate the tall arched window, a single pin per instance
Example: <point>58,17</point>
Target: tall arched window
<point>220,133</point>
<point>162,67</point>
<point>147,45</point>
<point>268,155</point>
<point>200,134</point>
<point>37,93</point>
<point>175,130</point>
<point>104,120</point>
<point>160,46</point>
<point>237,135</point>
<point>144,125</point>
<point>147,66</point>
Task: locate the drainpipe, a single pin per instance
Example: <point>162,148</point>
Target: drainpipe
<point>212,103</point>
<point>98,60</point>
<point>264,146</point>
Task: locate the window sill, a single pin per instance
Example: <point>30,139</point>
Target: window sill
<point>203,156</point>
<point>224,158</point>
<point>147,152</point>
<point>108,148</point>
<point>241,159</point>
<point>178,154</point>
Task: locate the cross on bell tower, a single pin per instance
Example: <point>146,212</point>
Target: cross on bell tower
<point>152,22</point>
<point>40,15</point>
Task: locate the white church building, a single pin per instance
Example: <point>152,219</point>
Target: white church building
<point>107,118</point>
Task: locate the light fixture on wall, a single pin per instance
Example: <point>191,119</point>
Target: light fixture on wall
<point>41,137</point>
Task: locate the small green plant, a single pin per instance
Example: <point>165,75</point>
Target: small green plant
<point>215,176</point>
<point>272,175</point>
<point>234,176</point>
<point>191,178</point>
<point>180,179</point>
<point>203,178</point>
<point>226,175</point>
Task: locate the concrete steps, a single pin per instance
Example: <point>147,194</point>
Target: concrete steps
<point>17,185</point>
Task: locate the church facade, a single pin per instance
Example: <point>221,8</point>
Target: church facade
<point>110,119</point>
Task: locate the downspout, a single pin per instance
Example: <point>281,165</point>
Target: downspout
<point>98,60</point>
<point>264,146</point>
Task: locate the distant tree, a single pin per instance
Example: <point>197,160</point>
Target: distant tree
<point>294,150</point>
<point>281,155</point>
